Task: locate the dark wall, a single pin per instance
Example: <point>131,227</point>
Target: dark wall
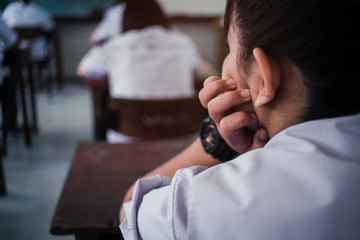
<point>71,8</point>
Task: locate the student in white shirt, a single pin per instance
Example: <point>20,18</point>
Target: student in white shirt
<point>142,61</point>
<point>25,13</point>
<point>148,61</point>
<point>287,103</point>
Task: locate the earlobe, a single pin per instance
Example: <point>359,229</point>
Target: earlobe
<point>269,74</point>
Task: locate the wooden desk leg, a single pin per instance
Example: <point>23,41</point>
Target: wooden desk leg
<point>2,178</point>
<point>100,111</point>
<point>33,100</point>
<point>3,146</point>
<point>58,60</point>
<point>23,102</point>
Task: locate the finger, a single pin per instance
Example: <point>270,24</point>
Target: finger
<point>235,122</point>
<point>214,88</point>
<point>121,214</point>
<point>260,138</point>
<point>223,104</point>
<point>211,79</point>
<point>234,128</point>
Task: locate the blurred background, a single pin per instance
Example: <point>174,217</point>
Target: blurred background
<point>34,173</point>
<point>76,19</point>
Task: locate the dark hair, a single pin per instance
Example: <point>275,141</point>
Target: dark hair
<point>140,14</point>
<point>321,37</point>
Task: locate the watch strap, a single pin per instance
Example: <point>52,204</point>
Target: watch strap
<point>221,150</point>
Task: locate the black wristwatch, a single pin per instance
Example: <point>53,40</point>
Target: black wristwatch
<point>213,143</point>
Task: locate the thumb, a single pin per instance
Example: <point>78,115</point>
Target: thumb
<point>260,138</point>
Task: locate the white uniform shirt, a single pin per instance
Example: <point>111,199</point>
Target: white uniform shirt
<point>152,63</point>
<point>111,24</point>
<point>19,14</point>
<point>304,184</point>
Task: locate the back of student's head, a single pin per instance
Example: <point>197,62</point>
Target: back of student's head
<point>321,37</point>
<point>140,14</point>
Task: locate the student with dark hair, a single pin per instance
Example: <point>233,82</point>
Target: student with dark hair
<point>148,60</point>
<point>140,14</point>
<point>282,138</point>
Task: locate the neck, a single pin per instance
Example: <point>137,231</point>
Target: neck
<point>287,108</point>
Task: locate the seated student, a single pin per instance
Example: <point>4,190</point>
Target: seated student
<point>24,13</point>
<point>148,61</point>
<point>291,74</point>
<point>111,24</point>
<point>8,39</point>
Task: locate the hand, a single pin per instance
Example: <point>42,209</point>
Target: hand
<point>128,197</point>
<point>233,113</point>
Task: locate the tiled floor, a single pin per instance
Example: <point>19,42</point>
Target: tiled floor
<point>35,176</point>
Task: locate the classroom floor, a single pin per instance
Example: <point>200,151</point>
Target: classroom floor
<point>35,176</point>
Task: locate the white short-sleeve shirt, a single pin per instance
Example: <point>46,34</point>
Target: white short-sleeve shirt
<point>111,24</point>
<point>304,184</point>
<point>19,14</point>
<point>152,63</point>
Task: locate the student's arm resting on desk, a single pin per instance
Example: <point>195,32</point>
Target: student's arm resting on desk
<point>162,213</point>
<point>193,155</point>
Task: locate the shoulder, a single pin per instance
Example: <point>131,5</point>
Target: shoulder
<point>294,176</point>
<point>120,41</point>
<point>114,11</point>
<point>13,5</point>
<point>11,9</point>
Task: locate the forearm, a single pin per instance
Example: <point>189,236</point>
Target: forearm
<point>193,155</point>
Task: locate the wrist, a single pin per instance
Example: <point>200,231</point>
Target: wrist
<point>213,143</point>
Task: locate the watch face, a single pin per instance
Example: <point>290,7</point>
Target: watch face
<point>213,142</point>
<point>208,136</point>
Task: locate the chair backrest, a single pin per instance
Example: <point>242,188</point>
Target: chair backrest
<point>52,40</point>
<point>157,118</point>
<point>30,33</point>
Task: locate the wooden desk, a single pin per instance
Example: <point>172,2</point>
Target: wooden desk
<point>98,179</point>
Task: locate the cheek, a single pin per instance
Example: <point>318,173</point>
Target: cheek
<point>226,68</point>
<point>230,71</point>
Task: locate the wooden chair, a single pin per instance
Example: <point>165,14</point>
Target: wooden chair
<point>156,118</point>
<point>31,34</point>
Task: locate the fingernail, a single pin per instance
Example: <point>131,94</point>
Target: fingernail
<point>230,82</point>
<point>264,136</point>
<point>245,93</point>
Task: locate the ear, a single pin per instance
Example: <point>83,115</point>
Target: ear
<point>269,77</point>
